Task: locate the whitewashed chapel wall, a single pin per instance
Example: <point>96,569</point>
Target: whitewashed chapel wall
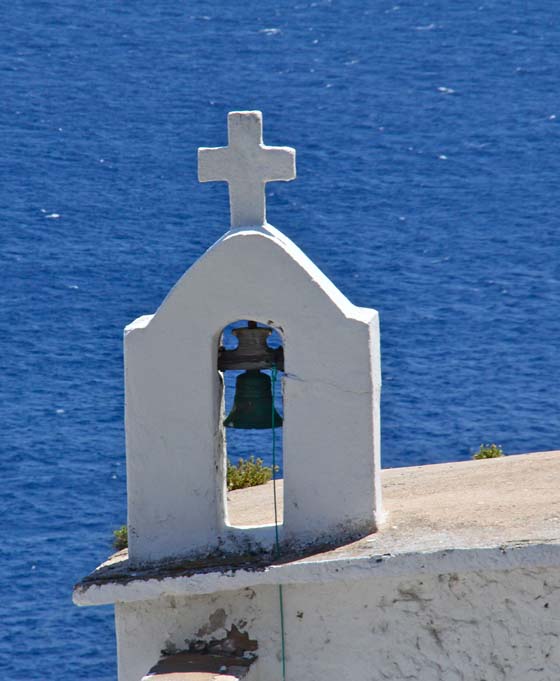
<point>480,626</point>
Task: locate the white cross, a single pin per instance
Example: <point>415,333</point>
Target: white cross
<point>246,164</point>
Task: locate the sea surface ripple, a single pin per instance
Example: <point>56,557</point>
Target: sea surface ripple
<point>427,136</point>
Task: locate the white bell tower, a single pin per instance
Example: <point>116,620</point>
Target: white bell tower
<point>174,392</point>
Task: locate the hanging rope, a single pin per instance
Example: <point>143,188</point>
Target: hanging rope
<point>276,535</point>
<point>273,414</point>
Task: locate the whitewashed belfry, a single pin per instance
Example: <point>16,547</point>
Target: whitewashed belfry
<point>174,392</point>
<point>462,581</point>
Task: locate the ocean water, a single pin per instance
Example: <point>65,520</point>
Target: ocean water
<point>427,135</point>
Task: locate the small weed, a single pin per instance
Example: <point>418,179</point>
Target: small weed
<point>120,538</point>
<point>489,452</point>
<point>248,473</point>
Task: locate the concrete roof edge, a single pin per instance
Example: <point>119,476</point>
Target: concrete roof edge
<point>509,556</point>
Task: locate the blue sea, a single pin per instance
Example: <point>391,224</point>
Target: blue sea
<point>428,153</point>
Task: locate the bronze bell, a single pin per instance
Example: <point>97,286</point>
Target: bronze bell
<point>253,406</point>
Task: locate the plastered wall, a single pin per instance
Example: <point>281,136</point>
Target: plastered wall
<point>479,626</point>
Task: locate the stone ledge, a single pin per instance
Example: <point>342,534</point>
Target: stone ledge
<point>494,514</point>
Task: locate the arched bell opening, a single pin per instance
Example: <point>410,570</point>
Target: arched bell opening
<point>251,360</point>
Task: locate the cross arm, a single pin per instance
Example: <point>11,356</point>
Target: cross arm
<point>280,163</point>
<point>213,163</point>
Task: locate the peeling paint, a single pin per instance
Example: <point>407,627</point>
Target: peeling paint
<point>487,624</point>
<point>232,654</point>
<point>217,620</point>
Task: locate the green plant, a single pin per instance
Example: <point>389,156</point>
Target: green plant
<point>489,452</point>
<point>120,540</point>
<point>248,473</point>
